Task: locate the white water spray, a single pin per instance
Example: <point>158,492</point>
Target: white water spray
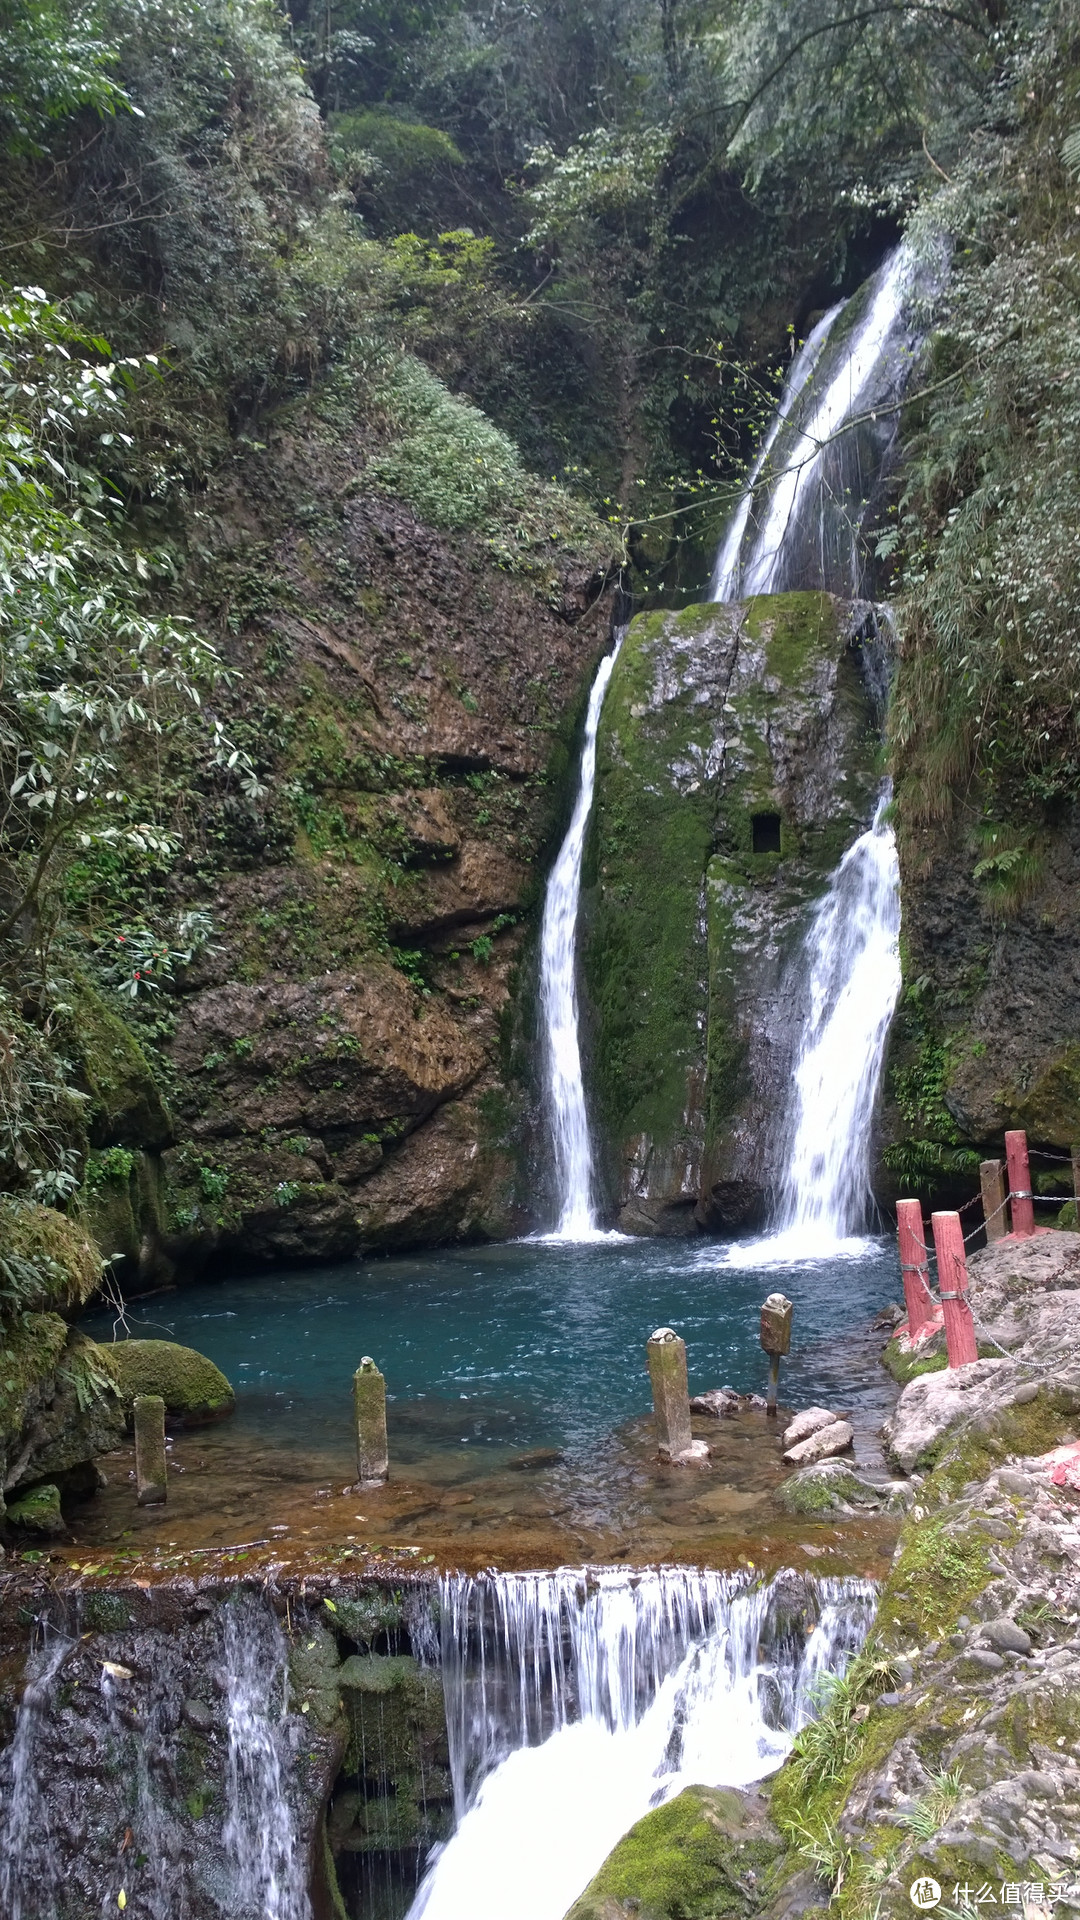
<point>27,1857</point>
<point>576,1700</point>
<point>854,965</point>
<point>728,570</point>
<point>259,1833</point>
<point>558,995</point>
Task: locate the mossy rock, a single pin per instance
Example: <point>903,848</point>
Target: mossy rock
<point>38,1512</point>
<point>126,1107</point>
<point>904,1365</point>
<point>314,1664</point>
<point>826,1487</point>
<point>364,1617</point>
<point>396,1717</point>
<point>192,1387</point>
<point>67,1262</point>
<point>32,1346</point>
<point>703,1856</point>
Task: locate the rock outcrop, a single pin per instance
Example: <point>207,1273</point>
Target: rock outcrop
<point>735,765</point>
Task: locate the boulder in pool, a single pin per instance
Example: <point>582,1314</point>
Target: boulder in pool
<point>193,1389</point>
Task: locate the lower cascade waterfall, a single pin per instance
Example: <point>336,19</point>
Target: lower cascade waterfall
<point>577,1700</point>
<point>558,993</point>
<point>853,955</point>
<point>259,1833</point>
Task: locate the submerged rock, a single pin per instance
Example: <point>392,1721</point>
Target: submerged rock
<point>191,1386</point>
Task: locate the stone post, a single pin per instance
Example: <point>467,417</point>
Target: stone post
<point>914,1265</point>
<point>151,1466</point>
<point>1020,1204</point>
<point>666,1355</point>
<point>776,1342</point>
<point>369,1402</point>
<point>953,1290</point>
<point>994,1200</point>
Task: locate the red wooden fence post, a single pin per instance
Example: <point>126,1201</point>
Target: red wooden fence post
<point>952,1290</point>
<point>914,1266</point>
<point>1020,1205</point>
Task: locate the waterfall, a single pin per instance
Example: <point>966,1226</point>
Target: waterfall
<point>578,1699</point>
<point>853,960</point>
<point>27,1861</point>
<point>259,1834</point>
<point>558,994</point>
<point>800,517</point>
<point>853,948</point>
<point>727,572</point>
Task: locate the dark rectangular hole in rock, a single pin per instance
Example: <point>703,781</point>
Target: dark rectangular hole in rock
<point>765,828</point>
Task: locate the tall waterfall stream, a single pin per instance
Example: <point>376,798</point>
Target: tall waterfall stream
<point>578,1699</point>
<point>558,993</point>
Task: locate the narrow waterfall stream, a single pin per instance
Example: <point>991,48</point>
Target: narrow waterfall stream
<point>558,994</point>
<point>854,953</point>
<point>578,1699</point>
<point>259,1833</point>
<point>27,1877</point>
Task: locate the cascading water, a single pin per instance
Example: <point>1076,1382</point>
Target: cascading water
<point>578,1699</point>
<point>259,1834</point>
<point>558,994</point>
<point>854,985</point>
<point>727,572</point>
<point>27,1864</point>
<point>853,959</point>
<point>799,522</point>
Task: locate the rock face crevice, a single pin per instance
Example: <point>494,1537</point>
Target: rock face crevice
<point>737,760</point>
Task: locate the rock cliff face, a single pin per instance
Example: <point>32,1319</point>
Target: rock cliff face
<point>337,1061</point>
<point>986,1035</point>
<point>737,760</point>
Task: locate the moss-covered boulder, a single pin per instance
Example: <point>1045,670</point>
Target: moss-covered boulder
<point>736,761</point>
<point>53,1262</point>
<point>59,1405</point>
<point>38,1512</point>
<point>703,1856</point>
<point>193,1388</point>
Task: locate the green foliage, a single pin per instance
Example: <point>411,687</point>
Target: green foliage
<point>213,1182</point>
<point>53,61</point>
<point>459,471</point>
<point>114,1165</point>
<point>88,672</point>
<point>988,698</point>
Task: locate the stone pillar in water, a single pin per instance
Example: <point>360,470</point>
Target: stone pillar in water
<point>775,1341</point>
<point>369,1402</point>
<point>151,1468</point>
<point>671,1399</point>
